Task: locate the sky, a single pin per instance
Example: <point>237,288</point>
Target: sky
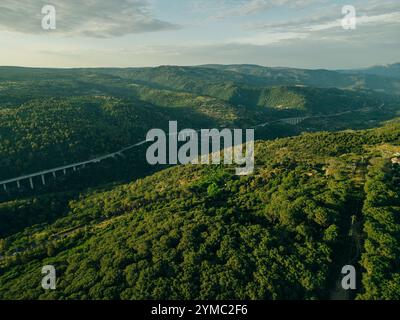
<point>136,33</point>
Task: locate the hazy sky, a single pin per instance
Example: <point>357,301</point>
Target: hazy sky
<point>110,33</point>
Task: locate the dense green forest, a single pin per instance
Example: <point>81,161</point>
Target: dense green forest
<point>381,255</point>
<point>193,232</point>
<point>325,192</point>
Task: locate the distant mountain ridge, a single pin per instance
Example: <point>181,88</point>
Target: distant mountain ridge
<point>207,79</point>
<point>388,70</point>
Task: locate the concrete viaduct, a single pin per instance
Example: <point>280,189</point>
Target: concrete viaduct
<point>63,169</point>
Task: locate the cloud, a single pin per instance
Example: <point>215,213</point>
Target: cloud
<point>331,16</point>
<point>375,7</point>
<point>311,37</point>
<point>249,7</point>
<point>269,38</point>
<point>93,18</point>
<point>255,6</point>
<point>376,22</point>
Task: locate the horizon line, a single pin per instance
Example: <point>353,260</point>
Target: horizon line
<point>197,66</point>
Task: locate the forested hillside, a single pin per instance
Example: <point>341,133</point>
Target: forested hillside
<point>381,254</point>
<point>193,232</point>
<point>324,194</point>
<point>54,117</point>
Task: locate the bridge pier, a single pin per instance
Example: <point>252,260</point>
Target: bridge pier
<point>76,167</point>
